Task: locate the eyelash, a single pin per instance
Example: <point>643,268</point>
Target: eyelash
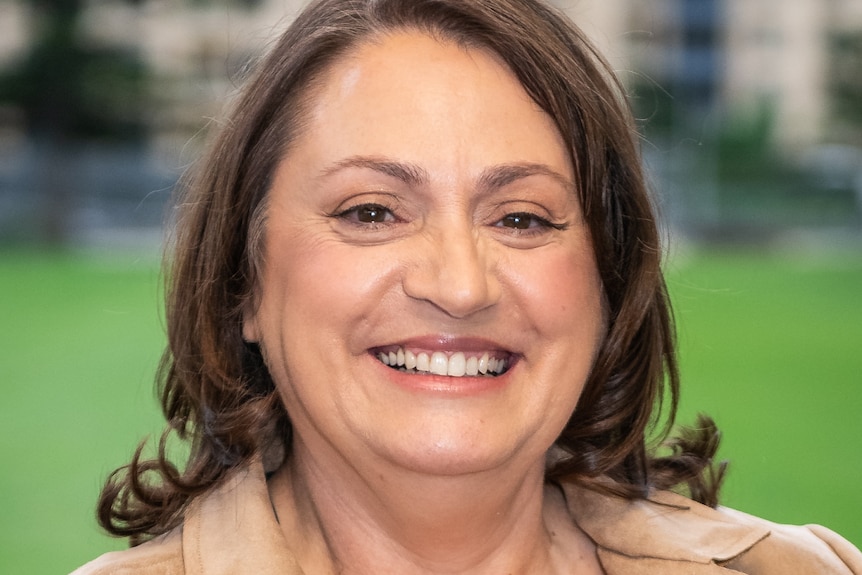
<point>352,214</point>
<point>536,225</point>
<point>542,224</point>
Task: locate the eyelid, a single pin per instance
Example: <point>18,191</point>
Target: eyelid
<point>382,199</point>
<point>351,215</point>
<point>529,207</point>
<point>542,221</point>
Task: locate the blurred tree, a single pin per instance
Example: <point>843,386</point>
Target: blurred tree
<point>71,91</point>
<point>845,84</point>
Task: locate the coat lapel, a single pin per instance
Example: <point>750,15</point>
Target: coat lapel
<point>666,534</point>
<point>234,530</point>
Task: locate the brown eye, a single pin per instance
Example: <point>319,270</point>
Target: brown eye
<point>526,224</point>
<point>372,214</point>
<point>368,214</point>
<point>522,221</point>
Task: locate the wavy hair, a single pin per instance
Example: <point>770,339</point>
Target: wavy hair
<point>216,392</point>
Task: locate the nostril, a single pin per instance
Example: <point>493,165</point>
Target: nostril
<point>451,270</point>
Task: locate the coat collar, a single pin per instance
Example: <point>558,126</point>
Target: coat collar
<point>234,530</point>
<point>666,528</point>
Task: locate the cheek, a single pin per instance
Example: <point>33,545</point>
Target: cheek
<point>336,275</point>
<point>564,291</point>
<point>318,288</point>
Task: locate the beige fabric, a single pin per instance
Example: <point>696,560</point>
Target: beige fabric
<point>234,530</point>
<point>672,535</point>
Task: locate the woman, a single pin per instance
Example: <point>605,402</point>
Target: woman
<point>417,323</point>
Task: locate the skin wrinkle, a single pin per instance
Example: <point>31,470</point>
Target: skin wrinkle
<point>409,463</point>
<point>207,364</point>
<point>410,174</point>
<point>490,180</point>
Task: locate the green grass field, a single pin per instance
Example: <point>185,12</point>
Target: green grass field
<point>771,347</point>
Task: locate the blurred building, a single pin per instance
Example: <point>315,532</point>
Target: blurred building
<point>737,55</point>
<point>790,68</point>
<point>739,58</point>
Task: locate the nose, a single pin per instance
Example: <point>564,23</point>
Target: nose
<point>451,269</point>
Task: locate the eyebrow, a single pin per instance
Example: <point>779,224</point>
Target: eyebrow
<point>410,174</point>
<point>492,178</point>
<point>502,175</point>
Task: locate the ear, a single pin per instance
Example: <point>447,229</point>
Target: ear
<point>250,331</point>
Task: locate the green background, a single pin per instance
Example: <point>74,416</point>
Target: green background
<point>771,347</point>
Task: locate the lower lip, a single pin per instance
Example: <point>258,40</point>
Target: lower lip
<point>444,386</point>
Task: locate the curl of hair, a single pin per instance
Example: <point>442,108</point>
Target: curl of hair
<point>215,389</point>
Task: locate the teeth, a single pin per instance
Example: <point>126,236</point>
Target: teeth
<point>472,366</point>
<point>483,364</point>
<point>409,360</point>
<point>457,365</point>
<point>423,362</point>
<point>438,363</point>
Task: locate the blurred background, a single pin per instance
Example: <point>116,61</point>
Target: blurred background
<point>751,114</point>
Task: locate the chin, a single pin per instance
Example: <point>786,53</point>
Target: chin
<point>457,456</point>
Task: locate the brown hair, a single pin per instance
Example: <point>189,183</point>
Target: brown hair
<point>216,392</point>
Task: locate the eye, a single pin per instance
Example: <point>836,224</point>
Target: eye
<point>526,221</point>
<point>368,214</point>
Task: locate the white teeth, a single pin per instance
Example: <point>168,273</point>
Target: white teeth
<point>422,362</point>
<point>457,365</point>
<point>498,365</point>
<point>439,363</point>
<point>472,367</point>
<point>483,364</point>
<point>409,359</point>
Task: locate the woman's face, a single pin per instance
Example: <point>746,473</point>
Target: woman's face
<point>426,217</point>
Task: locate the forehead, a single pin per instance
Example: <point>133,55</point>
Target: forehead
<point>407,86</point>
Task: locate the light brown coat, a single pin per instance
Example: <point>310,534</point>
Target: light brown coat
<point>234,530</point>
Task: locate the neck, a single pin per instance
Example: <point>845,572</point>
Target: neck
<point>343,520</point>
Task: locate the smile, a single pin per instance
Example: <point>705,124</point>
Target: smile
<point>458,364</point>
